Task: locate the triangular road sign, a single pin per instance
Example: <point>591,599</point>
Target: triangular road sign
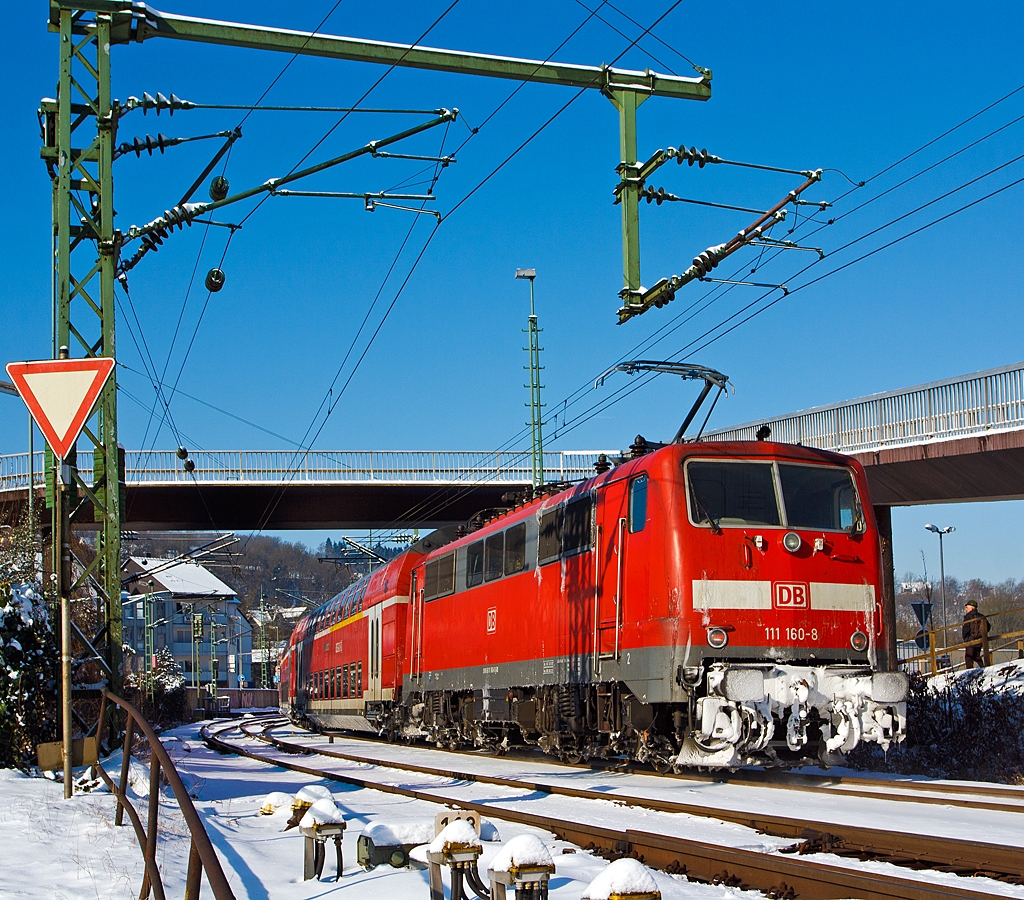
<point>60,395</point>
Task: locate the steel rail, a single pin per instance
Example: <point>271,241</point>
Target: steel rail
<point>900,848</point>
<point>777,876</point>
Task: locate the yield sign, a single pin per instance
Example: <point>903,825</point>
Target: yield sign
<point>60,394</point>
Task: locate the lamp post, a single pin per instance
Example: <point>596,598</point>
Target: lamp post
<point>536,437</point>
<point>949,529</point>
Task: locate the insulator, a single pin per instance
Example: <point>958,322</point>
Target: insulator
<point>219,188</point>
<point>189,466</point>
<point>215,280</point>
<point>182,453</point>
<point>660,198</point>
<point>158,103</point>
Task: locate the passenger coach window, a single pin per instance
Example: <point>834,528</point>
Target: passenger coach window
<point>728,493</point>
<point>474,564</point>
<point>819,497</point>
<point>493,552</point>
<point>439,577</point>
<point>549,543</point>
<point>576,525</point>
<point>515,549</point>
<point>638,503</point>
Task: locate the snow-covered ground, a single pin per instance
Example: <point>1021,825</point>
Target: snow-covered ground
<point>53,848</point>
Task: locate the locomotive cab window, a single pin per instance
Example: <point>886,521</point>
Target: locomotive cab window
<point>494,549</point>
<point>734,494</point>
<point>638,503</point>
<point>515,549</point>
<point>475,564</point>
<point>820,497</point>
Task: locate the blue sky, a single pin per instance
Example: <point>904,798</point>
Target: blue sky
<point>795,85</point>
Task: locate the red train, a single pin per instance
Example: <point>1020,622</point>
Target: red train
<point>702,604</point>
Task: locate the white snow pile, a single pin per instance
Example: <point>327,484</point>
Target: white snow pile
<point>274,801</point>
<point>308,795</point>
<point>1003,677</point>
<point>28,604</point>
<point>522,850</point>
<point>324,812</point>
<point>458,832</point>
<point>624,876</point>
<point>400,831</point>
<point>489,831</point>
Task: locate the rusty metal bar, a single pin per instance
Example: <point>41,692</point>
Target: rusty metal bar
<point>151,834</point>
<point>195,873</point>
<point>200,839</point>
<point>126,756</point>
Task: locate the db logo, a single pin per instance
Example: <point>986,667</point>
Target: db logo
<point>492,620</point>
<point>792,595</point>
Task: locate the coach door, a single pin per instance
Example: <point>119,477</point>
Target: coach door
<point>373,681</point>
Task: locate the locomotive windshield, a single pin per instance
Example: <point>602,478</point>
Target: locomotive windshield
<point>732,494</point>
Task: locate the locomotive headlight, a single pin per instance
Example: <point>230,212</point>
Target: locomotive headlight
<point>718,637</point>
<point>791,541</point>
<point>859,641</point>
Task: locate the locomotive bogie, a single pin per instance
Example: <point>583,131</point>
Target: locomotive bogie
<point>712,605</point>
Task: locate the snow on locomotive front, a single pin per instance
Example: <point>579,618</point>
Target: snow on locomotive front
<point>780,573</point>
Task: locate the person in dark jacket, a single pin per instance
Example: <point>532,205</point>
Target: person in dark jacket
<point>975,625</point>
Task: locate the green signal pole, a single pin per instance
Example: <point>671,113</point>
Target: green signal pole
<point>536,422</point>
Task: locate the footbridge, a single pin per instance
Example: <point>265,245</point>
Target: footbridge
<point>957,440</point>
<point>282,490</point>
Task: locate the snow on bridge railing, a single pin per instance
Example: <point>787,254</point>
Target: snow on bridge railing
<point>983,403</point>
<point>323,467</point>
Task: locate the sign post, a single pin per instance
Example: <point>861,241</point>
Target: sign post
<point>60,395</point>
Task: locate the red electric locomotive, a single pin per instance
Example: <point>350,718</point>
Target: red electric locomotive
<point>702,604</point>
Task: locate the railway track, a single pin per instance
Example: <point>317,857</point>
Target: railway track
<point>796,875</point>
<point>995,798</point>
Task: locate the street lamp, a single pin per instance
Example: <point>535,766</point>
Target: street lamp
<point>536,422</point>
<point>949,529</point>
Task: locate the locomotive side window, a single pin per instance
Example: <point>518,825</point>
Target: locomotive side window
<point>515,549</point>
<point>638,503</point>
<point>475,564</point>
<point>439,577</point>
<point>732,493</point>
<point>820,497</point>
<point>493,552</point>
<point>549,542</point>
<point>576,525</point>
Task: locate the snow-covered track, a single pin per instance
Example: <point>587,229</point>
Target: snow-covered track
<point>583,819</point>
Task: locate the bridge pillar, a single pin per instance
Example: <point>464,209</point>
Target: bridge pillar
<point>883,516</point>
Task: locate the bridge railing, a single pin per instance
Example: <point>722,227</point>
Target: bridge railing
<point>323,467</point>
<point>982,403</point>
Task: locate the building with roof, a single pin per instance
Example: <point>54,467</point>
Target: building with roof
<point>181,605</point>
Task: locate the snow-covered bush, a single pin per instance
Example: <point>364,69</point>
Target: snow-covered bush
<point>966,728</point>
<point>160,692</point>
<point>29,674</point>
<point>29,659</point>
